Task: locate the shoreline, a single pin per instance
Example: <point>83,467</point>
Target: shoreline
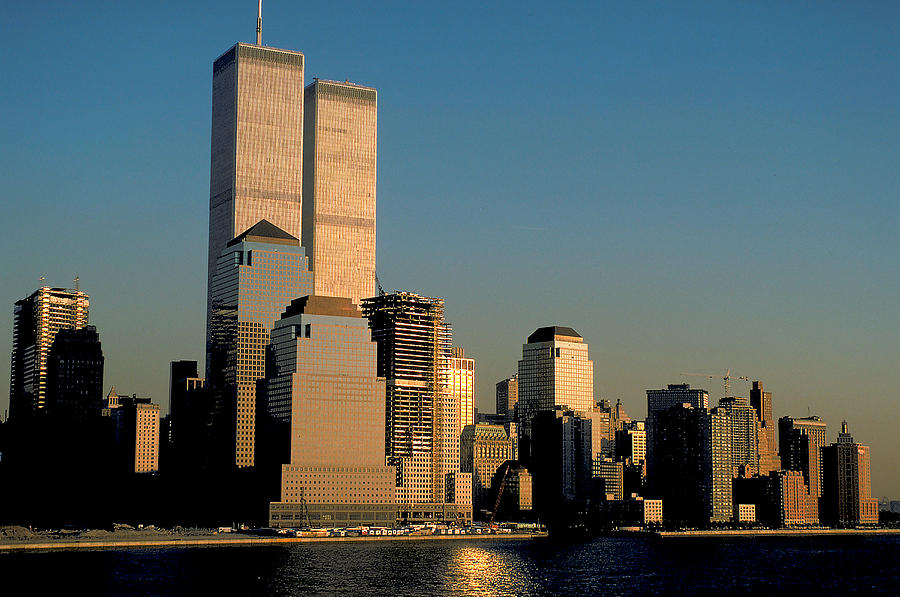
<point>243,540</point>
<point>775,533</point>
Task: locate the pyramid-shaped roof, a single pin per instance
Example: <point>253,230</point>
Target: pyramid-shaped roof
<point>265,231</point>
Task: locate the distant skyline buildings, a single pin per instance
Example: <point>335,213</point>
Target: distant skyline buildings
<point>36,321</point>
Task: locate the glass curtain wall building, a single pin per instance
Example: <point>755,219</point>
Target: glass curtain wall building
<point>257,276</point>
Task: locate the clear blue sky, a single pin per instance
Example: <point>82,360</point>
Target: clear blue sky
<point>692,186</point>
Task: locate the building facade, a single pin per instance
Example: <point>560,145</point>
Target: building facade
<point>256,147</point>
<point>846,483</point>
<point>137,433</point>
<point>674,395</point>
<point>421,419</point>
<point>461,386</point>
<point>257,275</point>
<point>800,442</point>
<point>692,472</point>
<point>761,401</point>
<point>484,450</point>
<point>36,321</point>
<point>508,398</point>
<point>324,394</point>
<point>744,435</point>
<point>75,375</point>
<point>555,371</point>
<point>340,124</point>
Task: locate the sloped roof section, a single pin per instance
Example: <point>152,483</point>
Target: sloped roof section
<point>265,231</point>
<point>550,333</point>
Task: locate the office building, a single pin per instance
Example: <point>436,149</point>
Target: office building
<point>744,430</point>
<point>257,275</point>
<point>36,321</point>
<point>421,422</point>
<point>608,479</point>
<point>137,434</point>
<point>256,148</point>
<point>462,386</point>
<point>674,395</point>
<point>761,401</point>
<point>555,371</point>
<point>846,483</point>
<point>190,416</point>
<point>75,375</point>
<point>339,174</point>
<point>515,487</point>
<point>800,442</point>
<point>484,450</point>
<point>693,472</point>
<point>325,402</point>
<point>562,463</point>
<point>508,398</point>
<point>606,421</point>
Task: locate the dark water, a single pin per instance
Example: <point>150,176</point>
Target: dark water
<point>606,566</point>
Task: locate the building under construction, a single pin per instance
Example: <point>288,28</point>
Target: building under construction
<point>421,424</point>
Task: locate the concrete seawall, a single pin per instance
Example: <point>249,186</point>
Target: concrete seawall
<point>224,540</point>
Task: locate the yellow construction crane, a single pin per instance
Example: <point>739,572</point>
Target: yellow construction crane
<point>725,378</point>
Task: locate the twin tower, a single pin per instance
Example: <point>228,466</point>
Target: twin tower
<point>301,157</point>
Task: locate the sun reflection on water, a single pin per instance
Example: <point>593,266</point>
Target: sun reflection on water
<point>476,571</point>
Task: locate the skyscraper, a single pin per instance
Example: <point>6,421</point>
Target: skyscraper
<point>75,374</point>
<point>800,442</point>
<point>846,482</point>
<point>413,352</point>
<point>661,400</point>
<point>422,419</point>
<point>761,401</point>
<point>692,464</point>
<point>555,371</point>
<point>508,397</point>
<point>258,274</point>
<point>324,396</point>
<point>36,321</point>
<point>484,449</point>
<point>744,429</point>
<point>256,149</point>
<point>462,386</point>
<point>339,173</point>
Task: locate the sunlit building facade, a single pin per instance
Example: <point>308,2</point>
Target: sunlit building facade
<point>256,148</point>
<point>555,371</point>
<point>36,321</point>
<point>258,274</point>
<point>462,386</point>
<point>339,175</point>
<point>800,442</point>
<point>324,393</point>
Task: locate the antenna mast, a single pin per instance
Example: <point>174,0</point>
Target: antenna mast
<point>259,25</point>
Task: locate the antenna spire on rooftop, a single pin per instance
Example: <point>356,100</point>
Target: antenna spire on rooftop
<point>259,25</point>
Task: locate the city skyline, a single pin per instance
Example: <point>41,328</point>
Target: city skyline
<point>804,305</point>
